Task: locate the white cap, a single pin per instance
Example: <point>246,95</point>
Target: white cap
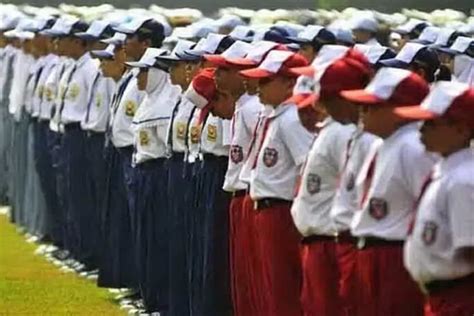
<point>117,39</point>
<point>149,58</point>
<point>365,23</point>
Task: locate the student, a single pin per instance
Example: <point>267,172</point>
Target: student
<point>323,279</point>
<point>391,179</point>
<point>439,249</point>
<point>94,123</point>
<point>281,154</point>
<point>179,185</point>
<point>150,126</point>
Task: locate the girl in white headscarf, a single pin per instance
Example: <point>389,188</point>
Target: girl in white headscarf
<point>149,190</point>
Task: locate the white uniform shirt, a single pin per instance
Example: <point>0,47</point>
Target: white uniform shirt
<point>79,84</point>
<point>243,125</point>
<point>444,228</point>
<point>346,200</point>
<point>215,136</point>
<point>98,110</point>
<point>281,155</point>
<point>311,207</point>
<point>21,71</point>
<point>6,70</point>
<point>31,83</point>
<point>123,112</point>
<point>257,134</point>
<point>58,87</point>
<point>49,63</point>
<point>401,167</point>
<point>178,133</point>
<point>150,124</point>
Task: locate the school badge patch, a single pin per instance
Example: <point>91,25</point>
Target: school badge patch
<point>40,91</point>
<point>270,157</point>
<point>98,100</point>
<point>378,208</point>
<point>430,231</point>
<point>211,133</point>
<point>313,183</point>
<point>74,91</point>
<point>180,131</point>
<point>350,182</point>
<point>236,154</point>
<point>195,134</point>
<point>130,108</point>
<point>144,138</point>
<point>48,94</point>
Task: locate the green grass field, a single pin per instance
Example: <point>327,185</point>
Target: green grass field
<point>29,285</point>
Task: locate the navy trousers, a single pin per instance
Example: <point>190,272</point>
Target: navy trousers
<point>152,233</point>
<point>180,193</point>
<point>46,173</point>
<point>82,221</point>
<point>117,266</point>
<point>209,267</point>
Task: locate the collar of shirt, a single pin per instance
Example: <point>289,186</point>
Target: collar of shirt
<point>243,99</point>
<point>280,110</point>
<point>400,132</point>
<point>445,166</point>
<point>325,123</point>
<point>84,58</point>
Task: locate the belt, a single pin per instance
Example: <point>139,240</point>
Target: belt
<point>366,242</point>
<point>177,156</point>
<point>270,202</point>
<point>72,126</point>
<point>127,150</point>
<point>345,237</point>
<point>316,238</point>
<point>94,134</point>
<point>151,164</point>
<point>239,193</point>
<point>434,287</point>
<point>212,157</point>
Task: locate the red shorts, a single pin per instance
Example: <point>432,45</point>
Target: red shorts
<point>457,300</point>
<point>278,254</point>
<point>384,287</point>
<point>319,295</point>
<point>241,250</point>
<point>346,256</point>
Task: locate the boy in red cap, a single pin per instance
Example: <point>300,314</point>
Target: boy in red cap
<point>322,275</point>
<point>281,154</point>
<point>390,179</point>
<point>439,249</point>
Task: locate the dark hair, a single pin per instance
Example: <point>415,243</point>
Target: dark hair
<point>153,31</point>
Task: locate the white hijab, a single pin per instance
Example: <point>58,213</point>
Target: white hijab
<point>161,96</point>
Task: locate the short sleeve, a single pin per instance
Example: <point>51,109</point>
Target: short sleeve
<point>297,139</point>
<point>461,214</point>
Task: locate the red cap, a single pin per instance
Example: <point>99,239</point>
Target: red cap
<point>391,86</point>
<point>202,89</point>
<point>446,99</point>
<point>350,72</point>
<point>276,63</point>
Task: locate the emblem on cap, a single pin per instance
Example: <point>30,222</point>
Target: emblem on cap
<point>130,108</point>
<point>236,154</point>
<point>378,208</point>
<point>313,183</point>
<point>270,157</point>
<point>430,231</point>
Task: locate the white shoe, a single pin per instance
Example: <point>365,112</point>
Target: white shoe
<point>41,250</point>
